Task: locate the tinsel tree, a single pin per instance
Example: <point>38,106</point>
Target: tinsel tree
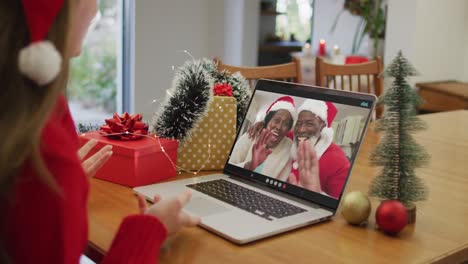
<point>398,153</point>
<point>240,88</point>
<point>187,103</point>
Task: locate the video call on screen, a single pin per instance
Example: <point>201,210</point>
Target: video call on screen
<point>335,144</point>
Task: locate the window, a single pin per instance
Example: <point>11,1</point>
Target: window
<point>297,21</point>
<point>97,87</point>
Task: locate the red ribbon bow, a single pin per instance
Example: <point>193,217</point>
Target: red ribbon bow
<point>126,127</point>
<point>222,89</point>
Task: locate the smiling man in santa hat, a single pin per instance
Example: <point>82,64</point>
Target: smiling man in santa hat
<point>316,162</point>
<point>269,152</point>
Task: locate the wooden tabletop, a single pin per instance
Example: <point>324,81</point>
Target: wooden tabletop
<point>439,235</point>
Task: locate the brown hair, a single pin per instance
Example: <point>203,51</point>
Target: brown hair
<point>25,106</point>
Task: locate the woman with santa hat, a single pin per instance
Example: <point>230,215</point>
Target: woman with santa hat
<point>43,176</point>
<point>269,152</point>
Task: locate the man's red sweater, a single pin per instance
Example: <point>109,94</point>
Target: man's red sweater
<point>42,226</point>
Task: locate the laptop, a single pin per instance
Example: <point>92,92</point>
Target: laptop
<point>245,204</point>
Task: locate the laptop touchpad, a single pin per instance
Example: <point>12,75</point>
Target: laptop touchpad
<point>201,206</point>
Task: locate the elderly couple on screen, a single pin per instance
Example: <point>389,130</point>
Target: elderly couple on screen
<point>311,160</point>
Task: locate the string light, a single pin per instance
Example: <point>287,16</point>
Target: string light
<point>156,138</point>
<point>188,53</point>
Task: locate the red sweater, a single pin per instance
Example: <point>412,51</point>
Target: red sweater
<point>44,227</point>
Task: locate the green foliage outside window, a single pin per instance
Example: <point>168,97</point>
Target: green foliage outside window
<point>296,19</point>
<point>93,77</point>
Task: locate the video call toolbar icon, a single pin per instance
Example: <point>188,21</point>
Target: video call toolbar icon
<point>275,183</point>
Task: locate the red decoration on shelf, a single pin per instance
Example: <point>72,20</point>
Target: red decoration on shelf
<point>222,89</point>
<point>322,48</point>
<point>391,216</point>
<point>353,59</point>
<point>125,127</point>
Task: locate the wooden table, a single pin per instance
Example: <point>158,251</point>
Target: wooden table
<point>439,235</point>
<point>443,96</point>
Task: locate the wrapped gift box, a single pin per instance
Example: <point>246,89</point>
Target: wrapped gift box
<point>135,162</point>
<point>208,147</point>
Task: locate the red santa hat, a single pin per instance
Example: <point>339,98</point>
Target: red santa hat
<point>324,110</point>
<point>40,61</point>
<point>285,103</point>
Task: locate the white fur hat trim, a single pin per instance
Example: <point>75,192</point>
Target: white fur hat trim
<point>319,108</point>
<point>285,106</point>
<point>40,62</point>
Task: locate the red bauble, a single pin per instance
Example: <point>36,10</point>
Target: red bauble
<point>391,216</point>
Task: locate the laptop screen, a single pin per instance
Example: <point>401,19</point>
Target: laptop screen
<point>301,139</point>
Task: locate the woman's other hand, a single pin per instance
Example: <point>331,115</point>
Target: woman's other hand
<point>92,164</point>
<point>169,211</point>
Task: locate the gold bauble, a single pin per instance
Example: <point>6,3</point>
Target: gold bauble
<point>355,207</point>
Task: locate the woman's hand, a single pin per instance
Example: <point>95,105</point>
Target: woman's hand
<point>169,211</point>
<point>308,168</point>
<point>259,150</point>
<point>92,164</point>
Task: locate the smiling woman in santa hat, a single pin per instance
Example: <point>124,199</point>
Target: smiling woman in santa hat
<point>43,181</point>
<point>269,152</point>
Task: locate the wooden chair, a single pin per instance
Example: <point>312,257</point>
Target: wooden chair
<point>363,77</point>
<point>290,72</point>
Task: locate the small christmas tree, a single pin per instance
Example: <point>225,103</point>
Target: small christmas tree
<point>398,153</point>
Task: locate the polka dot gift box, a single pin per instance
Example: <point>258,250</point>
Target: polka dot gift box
<point>208,147</point>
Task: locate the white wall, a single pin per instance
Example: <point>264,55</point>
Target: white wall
<point>216,27</point>
<point>440,40</point>
<point>432,34</point>
<point>205,28</point>
<point>251,27</point>
<point>400,29</point>
<point>162,30</point>
<point>241,24</point>
<point>234,9</point>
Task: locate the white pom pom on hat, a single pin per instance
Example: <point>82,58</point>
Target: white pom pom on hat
<point>40,61</point>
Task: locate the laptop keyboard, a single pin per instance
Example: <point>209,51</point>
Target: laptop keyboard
<point>246,199</point>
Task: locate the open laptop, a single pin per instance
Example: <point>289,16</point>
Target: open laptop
<point>244,205</point>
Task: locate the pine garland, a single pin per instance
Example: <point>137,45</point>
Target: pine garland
<point>190,96</point>
<point>398,153</point>
<point>187,104</point>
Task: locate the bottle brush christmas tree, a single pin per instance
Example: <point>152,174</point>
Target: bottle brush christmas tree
<point>398,153</point>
